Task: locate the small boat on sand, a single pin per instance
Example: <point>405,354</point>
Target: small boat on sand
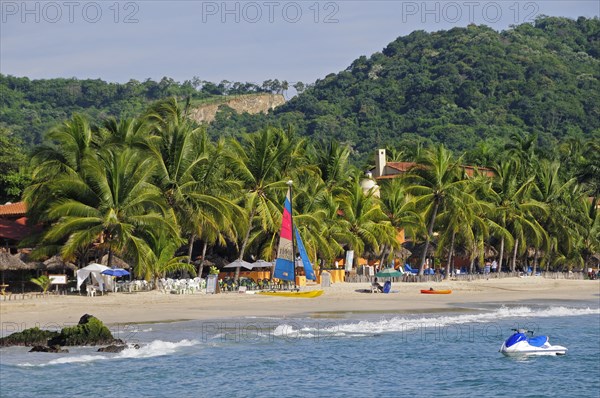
<point>306,294</point>
<point>431,291</point>
<point>285,263</point>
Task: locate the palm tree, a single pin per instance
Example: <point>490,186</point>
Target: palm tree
<point>124,133</point>
<point>362,220</point>
<point>332,160</point>
<point>184,169</point>
<point>516,210</point>
<point>112,201</point>
<point>434,181</point>
<point>72,142</point>
<point>566,203</point>
<point>215,212</point>
<point>263,163</point>
<point>463,219</point>
<point>400,210</point>
<point>161,258</point>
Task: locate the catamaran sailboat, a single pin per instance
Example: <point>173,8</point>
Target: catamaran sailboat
<point>285,265</point>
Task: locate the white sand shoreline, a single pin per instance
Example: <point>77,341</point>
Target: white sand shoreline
<point>156,307</point>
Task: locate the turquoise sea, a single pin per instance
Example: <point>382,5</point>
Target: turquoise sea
<point>449,354</point>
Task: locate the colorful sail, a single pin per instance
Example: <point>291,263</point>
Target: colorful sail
<point>284,264</point>
<point>308,268</point>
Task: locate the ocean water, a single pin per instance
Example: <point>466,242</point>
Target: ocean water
<point>448,354</point>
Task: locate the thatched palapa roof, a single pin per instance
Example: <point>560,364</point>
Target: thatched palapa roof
<point>57,263</point>
<point>116,262</point>
<point>8,262</point>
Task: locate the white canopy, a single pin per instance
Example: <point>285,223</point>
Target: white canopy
<point>94,269</point>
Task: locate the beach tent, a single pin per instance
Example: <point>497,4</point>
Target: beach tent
<point>95,271</point>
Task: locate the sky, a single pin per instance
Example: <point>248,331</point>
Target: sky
<point>231,40</point>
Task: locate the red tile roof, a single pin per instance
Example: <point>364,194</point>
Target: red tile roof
<point>401,166</point>
<point>404,167</point>
<point>13,209</point>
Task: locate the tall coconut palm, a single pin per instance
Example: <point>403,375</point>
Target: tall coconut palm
<point>400,210</point>
<point>364,223</point>
<point>515,209</point>
<point>124,132</point>
<point>433,182</point>
<point>71,143</point>
<point>465,219</point>
<point>263,162</point>
<point>182,154</point>
<point>112,200</point>
<point>332,160</point>
<point>216,212</point>
<point>566,203</point>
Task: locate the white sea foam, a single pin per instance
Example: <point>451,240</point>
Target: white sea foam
<point>155,348</point>
<point>285,331</point>
<point>403,324</point>
<point>152,349</point>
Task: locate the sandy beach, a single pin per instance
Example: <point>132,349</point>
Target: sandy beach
<point>340,298</point>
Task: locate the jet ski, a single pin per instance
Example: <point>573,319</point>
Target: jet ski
<point>522,344</point>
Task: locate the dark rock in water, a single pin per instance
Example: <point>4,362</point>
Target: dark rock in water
<point>28,338</point>
<point>117,348</point>
<point>85,319</point>
<point>89,331</point>
<point>112,348</point>
<point>56,349</point>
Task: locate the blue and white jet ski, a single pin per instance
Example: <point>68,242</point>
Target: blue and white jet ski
<point>521,344</point>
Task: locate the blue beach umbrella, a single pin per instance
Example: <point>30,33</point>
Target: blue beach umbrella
<point>115,272</point>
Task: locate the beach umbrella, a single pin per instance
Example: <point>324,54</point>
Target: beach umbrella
<point>115,272</point>
<point>262,264</point>
<point>388,273</point>
<point>239,264</point>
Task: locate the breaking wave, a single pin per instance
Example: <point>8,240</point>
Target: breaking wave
<point>406,323</point>
<point>152,349</point>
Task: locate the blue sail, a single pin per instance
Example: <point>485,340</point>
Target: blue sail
<point>308,269</point>
<point>284,269</point>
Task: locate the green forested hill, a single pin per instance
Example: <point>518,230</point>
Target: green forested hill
<point>28,108</point>
<point>459,87</point>
<point>462,86</point>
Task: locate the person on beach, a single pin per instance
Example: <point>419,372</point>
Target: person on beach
<point>494,265</point>
<point>486,269</point>
<point>377,285</point>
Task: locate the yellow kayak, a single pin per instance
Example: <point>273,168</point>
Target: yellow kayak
<point>307,294</point>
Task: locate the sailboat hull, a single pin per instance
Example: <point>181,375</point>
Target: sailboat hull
<point>307,294</point>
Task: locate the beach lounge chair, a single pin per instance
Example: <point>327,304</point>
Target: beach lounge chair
<point>376,287</point>
<point>410,270</point>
